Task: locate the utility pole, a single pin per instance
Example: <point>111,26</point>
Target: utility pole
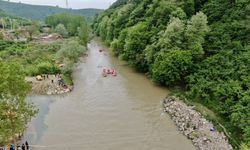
<point>67,4</point>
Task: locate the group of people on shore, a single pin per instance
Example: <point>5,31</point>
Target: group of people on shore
<point>24,146</point>
<point>106,72</point>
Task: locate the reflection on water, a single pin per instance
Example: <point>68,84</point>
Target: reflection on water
<point>112,113</point>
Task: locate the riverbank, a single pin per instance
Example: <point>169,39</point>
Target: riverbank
<point>194,126</point>
<point>49,85</point>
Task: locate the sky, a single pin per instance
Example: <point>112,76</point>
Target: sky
<point>75,4</point>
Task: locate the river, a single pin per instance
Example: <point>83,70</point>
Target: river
<point>112,113</point>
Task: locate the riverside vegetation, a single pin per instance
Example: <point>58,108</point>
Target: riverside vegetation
<point>30,58</point>
<point>201,46</point>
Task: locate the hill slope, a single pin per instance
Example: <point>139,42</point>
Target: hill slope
<point>8,21</point>
<point>38,12</point>
<point>202,45</point>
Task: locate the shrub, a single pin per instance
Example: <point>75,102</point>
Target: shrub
<point>171,67</point>
<point>47,68</point>
<point>70,50</point>
<point>60,29</point>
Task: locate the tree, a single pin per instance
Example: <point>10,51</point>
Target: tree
<point>3,22</point>
<point>60,29</point>
<point>33,29</point>
<point>195,33</point>
<point>135,43</point>
<point>15,112</point>
<point>74,24</point>
<point>47,68</point>
<point>202,44</point>
<point>172,38</point>
<point>70,50</point>
<point>171,67</point>
<point>83,33</point>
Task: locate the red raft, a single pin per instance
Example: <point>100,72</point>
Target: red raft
<point>112,72</point>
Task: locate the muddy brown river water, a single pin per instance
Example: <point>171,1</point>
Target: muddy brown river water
<point>112,113</point>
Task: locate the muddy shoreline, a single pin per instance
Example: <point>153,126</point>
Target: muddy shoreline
<point>194,126</point>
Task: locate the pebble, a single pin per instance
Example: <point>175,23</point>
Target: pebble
<point>194,126</point>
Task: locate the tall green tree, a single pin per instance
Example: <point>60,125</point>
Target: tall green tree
<point>15,111</point>
<point>32,29</point>
<point>195,33</point>
<point>135,43</point>
<point>60,29</point>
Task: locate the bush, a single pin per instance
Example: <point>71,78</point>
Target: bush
<point>83,34</point>
<point>171,67</point>
<point>47,68</point>
<point>31,71</point>
<point>70,50</point>
<point>68,66</point>
<point>60,29</point>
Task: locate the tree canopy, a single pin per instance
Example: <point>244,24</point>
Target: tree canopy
<point>198,44</point>
<point>15,111</point>
<point>75,25</point>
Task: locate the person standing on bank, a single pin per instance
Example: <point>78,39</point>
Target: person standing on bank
<point>23,146</point>
<point>27,145</point>
<point>12,147</point>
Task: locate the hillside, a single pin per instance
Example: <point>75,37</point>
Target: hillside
<point>9,21</point>
<point>40,12</point>
<point>201,46</point>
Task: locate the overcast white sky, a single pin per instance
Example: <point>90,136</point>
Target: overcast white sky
<point>75,4</point>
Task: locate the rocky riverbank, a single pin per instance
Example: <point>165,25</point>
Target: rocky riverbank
<point>193,125</point>
<point>48,85</point>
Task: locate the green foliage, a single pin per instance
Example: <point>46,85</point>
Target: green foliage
<point>195,32</point>
<point>70,50</point>
<point>173,37</point>
<point>199,44</point>
<point>83,33</point>
<point>8,21</point>
<point>60,29</point>
<point>171,67</point>
<point>222,83</point>
<point>69,54</point>
<point>29,55</point>
<point>71,22</point>
<point>135,43</point>
<point>67,79</point>
<point>244,146</point>
<point>34,28</point>
<point>47,68</point>
<point>15,112</point>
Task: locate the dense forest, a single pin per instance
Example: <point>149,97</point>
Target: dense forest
<point>202,46</point>
<point>37,12</point>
